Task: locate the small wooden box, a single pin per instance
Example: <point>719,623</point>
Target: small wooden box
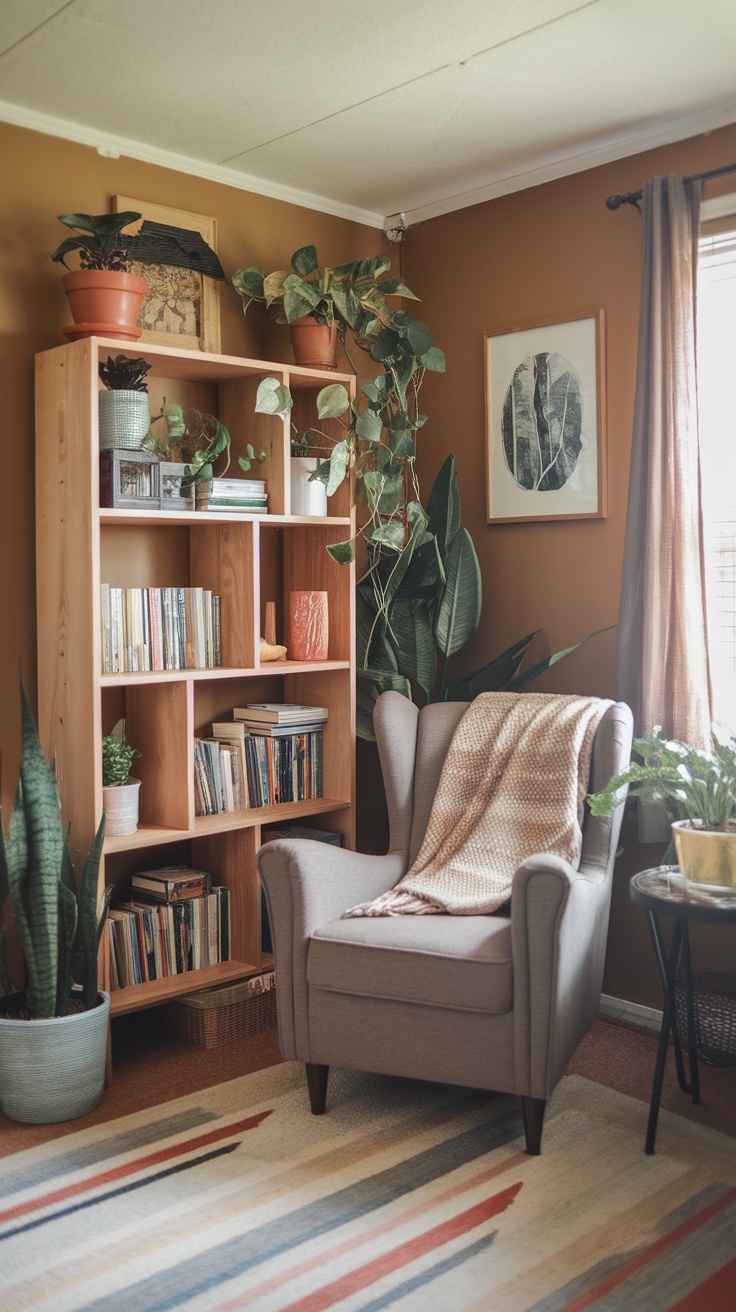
<point>129,479</point>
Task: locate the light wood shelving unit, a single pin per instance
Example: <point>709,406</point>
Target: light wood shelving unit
<point>248,560</point>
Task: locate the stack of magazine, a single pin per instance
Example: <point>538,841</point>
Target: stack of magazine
<point>173,922</point>
<point>245,494</point>
<point>270,752</point>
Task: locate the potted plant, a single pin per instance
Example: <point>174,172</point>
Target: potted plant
<point>105,298</point>
<point>194,439</point>
<point>699,790</point>
<point>124,416</point>
<point>120,791</point>
<point>53,1034</point>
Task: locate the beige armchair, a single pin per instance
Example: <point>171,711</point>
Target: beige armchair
<point>495,1001</point>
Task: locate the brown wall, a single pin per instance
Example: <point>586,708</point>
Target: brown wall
<point>548,252</point>
<point>41,178</point>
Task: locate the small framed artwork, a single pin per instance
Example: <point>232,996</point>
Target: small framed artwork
<point>170,475</point>
<point>129,479</point>
<point>545,421</point>
<point>181,307</point>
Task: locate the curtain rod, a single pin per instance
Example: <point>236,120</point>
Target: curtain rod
<point>633,197</point>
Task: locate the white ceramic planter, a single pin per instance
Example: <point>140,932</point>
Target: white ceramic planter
<point>121,807</point>
<point>306,498</point>
<point>124,419</point>
<point>54,1069</point>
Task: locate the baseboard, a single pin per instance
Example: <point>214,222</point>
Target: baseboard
<point>633,1012</point>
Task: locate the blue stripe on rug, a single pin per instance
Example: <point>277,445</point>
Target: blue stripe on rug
<point>52,1168</point>
<point>432,1273</point>
<point>171,1287</point>
<point>116,1193</point>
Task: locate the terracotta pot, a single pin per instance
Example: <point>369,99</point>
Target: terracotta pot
<point>313,343</point>
<point>104,304</point>
<point>706,856</point>
<point>308,626</point>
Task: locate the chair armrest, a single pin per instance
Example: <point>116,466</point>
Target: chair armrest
<point>559,922</point>
<point>308,884</point>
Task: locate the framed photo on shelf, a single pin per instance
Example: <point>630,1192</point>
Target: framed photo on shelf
<point>170,475</point>
<point>181,307</point>
<point>129,479</point>
<point>545,421</point>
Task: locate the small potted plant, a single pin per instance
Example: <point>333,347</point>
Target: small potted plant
<point>124,416</point>
<point>308,493</point>
<point>120,791</point>
<point>105,298</point>
<point>53,1033</point>
<point>698,788</point>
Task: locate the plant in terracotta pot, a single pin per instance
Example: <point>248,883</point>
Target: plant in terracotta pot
<point>120,791</point>
<point>124,417</point>
<point>104,296</point>
<point>698,788</point>
<point>53,1033</point>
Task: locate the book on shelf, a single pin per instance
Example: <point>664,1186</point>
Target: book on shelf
<point>159,629</point>
<point>239,486</point>
<point>171,883</point>
<point>283,768</point>
<point>150,941</point>
<point>279,713</point>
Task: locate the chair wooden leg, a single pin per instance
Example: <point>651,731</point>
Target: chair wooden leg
<point>532,1111</point>
<point>317,1086</point>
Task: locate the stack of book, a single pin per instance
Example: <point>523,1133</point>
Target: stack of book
<point>244,494</point>
<point>173,922</point>
<point>159,629</point>
<point>270,752</point>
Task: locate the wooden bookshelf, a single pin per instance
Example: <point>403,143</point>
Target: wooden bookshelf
<point>247,559</point>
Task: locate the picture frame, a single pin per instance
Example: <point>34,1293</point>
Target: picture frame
<point>129,479</point>
<point>545,420</point>
<point>181,307</point>
<point>170,475</point>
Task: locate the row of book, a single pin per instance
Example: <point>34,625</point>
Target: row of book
<point>159,629</point>
<point>269,753</point>
<point>152,937</point>
<point>244,494</point>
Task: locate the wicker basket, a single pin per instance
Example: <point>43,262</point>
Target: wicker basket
<point>219,1015</point>
<point>714,997</point>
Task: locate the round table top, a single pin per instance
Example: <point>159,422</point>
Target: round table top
<point>664,889</point>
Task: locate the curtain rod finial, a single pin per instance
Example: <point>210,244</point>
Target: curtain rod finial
<point>614,202</point>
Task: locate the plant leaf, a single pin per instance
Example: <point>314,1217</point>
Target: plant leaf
<point>304,261</point>
<point>342,552</point>
<point>460,604</point>
<point>338,466</point>
<point>433,359</point>
<point>369,426</point>
<point>547,661</point>
<point>332,401</point>
<point>493,676</point>
<point>273,397</point>
<point>413,633</point>
<point>443,506</point>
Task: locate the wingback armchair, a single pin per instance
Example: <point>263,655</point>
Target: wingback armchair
<point>497,1002</point>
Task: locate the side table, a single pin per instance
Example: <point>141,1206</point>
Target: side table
<point>663,891</point>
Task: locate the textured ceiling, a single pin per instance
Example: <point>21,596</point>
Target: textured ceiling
<point>371,108</point>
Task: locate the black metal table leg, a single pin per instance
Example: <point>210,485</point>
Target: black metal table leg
<point>668,970</point>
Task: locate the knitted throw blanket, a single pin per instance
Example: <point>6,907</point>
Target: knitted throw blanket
<point>513,784</point>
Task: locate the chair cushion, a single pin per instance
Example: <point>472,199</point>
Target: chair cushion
<point>461,962</point>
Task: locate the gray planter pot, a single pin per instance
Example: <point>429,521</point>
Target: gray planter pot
<point>121,802</point>
<point>124,419</point>
<point>53,1070</point>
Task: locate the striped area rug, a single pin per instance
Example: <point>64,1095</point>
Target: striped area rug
<point>406,1196</point>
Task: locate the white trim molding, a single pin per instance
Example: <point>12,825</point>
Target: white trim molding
<point>632,1012</point>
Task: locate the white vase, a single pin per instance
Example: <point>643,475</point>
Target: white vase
<point>306,498</point>
<point>121,807</point>
<point>124,419</point>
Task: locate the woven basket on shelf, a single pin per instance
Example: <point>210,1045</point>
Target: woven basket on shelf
<point>714,998</point>
<point>219,1015</point>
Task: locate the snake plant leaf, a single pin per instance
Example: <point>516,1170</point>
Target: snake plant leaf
<point>90,923</point>
<point>460,605</point>
<point>273,397</point>
<point>338,466</point>
<point>413,632</point>
<point>332,401</point>
<point>535,670</point>
<point>443,506</point>
<point>342,552</point>
<point>68,915</point>
<point>493,676</point>
<point>304,261</point>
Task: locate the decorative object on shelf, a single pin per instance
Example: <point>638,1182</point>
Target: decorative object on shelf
<point>53,1035</point>
<point>545,421</point>
<point>174,496</point>
<point>177,254</point>
<point>192,437</point>
<point>130,479</point>
<point>308,626</point>
<point>124,417</point>
<point>269,624</point>
<point>270,649</point>
<point>104,296</point>
<point>308,495</point>
<point>120,791</point>
<point>699,790</point>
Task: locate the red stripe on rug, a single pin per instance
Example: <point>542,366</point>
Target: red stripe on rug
<point>130,1168</point>
<point>716,1294</point>
<point>381,1266</point>
<point>661,1246</point>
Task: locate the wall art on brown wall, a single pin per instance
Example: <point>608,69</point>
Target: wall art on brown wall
<point>181,307</point>
<point>545,420</point>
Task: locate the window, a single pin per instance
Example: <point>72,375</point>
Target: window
<point>716,342</point>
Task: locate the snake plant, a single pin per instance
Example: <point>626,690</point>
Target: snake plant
<point>57,917</point>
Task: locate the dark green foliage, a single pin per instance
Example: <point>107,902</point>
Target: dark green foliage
<point>117,757</point>
<point>693,784</point>
<point>99,240</point>
<point>125,374</point>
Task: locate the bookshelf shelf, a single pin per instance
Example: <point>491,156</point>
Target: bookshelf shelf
<point>246,560</point>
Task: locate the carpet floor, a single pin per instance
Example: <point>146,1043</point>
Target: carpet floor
<point>407,1195</point>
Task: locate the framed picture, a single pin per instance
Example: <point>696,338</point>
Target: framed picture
<point>129,479</point>
<point>181,306</point>
<point>170,475</point>
<point>545,421</point>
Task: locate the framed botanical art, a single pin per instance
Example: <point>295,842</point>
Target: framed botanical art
<point>181,306</point>
<point>545,421</point>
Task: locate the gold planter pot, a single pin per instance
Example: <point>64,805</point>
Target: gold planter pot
<point>705,856</point>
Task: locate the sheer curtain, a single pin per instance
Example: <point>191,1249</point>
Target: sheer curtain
<point>661,655</point>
